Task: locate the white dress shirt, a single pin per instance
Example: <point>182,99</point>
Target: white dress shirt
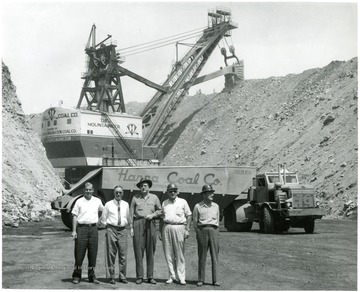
<point>111,213</point>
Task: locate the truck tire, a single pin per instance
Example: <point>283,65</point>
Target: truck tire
<point>230,221</point>
<point>309,225</point>
<point>268,220</point>
<point>284,226</point>
<point>66,218</point>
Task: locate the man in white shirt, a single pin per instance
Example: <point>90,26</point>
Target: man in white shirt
<point>174,228</point>
<point>85,232</point>
<point>116,219</point>
<point>206,216</point>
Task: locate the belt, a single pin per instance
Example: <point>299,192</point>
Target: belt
<point>174,223</point>
<point>115,227</point>
<point>208,225</point>
<point>86,225</point>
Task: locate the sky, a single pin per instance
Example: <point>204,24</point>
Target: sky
<point>43,42</point>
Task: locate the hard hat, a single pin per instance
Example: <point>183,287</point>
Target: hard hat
<point>277,185</point>
<point>207,188</point>
<point>171,187</point>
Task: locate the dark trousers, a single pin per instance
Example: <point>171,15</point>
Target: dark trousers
<point>87,239</point>
<point>144,240</point>
<point>207,238</point>
<point>116,243</point>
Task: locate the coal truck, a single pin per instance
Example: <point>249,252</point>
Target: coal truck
<point>276,201</point>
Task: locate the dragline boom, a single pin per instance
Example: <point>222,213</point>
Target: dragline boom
<point>183,76</point>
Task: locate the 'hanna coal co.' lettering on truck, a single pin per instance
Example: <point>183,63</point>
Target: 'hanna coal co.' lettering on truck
<point>161,177</point>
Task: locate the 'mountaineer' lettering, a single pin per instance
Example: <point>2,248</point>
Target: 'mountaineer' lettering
<point>125,176</point>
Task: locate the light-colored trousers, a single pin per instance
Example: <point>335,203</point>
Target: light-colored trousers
<point>173,238</point>
<point>115,243</point>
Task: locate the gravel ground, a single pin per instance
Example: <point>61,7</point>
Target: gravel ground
<point>40,256</point>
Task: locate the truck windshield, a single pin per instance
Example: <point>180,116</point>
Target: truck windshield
<point>291,178</point>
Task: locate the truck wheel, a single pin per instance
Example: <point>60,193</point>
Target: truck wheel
<point>230,221</point>
<point>261,221</point>
<point>268,220</point>
<point>309,225</point>
<point>66,218</point>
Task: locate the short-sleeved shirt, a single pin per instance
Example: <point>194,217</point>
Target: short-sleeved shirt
<point>87,210</point>
<point>204,214</point>
<point>111,213</point>
<point>175,212</point>
<point>142,206</point>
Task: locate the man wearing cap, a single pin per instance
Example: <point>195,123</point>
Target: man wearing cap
<point>174,227</point>
<point>144,208</point>
<point>206,224</point>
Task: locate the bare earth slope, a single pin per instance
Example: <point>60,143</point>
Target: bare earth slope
<point>29,182</point>
<point>308,121</point>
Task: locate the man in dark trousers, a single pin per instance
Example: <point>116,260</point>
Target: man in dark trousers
<point>144,208</point>
<point>85,232</point>
<point>206,217</point>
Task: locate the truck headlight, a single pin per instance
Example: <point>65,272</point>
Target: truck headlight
<point>288,204</point>
<point>317,204</point>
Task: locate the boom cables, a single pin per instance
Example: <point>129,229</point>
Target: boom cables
<point>136,49</point>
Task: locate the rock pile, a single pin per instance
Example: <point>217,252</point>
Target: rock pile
<point>308,121</point>
<point>29,182</point>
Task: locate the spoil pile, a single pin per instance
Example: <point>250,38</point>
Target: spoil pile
<point>308,121</point>
<point>29,182</point>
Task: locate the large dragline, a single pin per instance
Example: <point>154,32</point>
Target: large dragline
<point>99,132</point>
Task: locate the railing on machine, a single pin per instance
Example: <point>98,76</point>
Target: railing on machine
<point>131,161</point>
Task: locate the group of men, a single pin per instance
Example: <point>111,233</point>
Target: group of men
<point>175,220</point>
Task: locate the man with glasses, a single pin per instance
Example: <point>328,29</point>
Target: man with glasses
<point>144,209</point>
<point>116,218</point>
<point>174,228</point>
<point>85,232</point>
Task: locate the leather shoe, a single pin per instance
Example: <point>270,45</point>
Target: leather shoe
<point>151,281</point>
<point>95,281</point>
<point>76,281</point>
<point>139,281</point>
<point>199,284</point>
<point>170,281</point>
<point>182,283</point>
<point>216,284</point>
<point>112,281</point>
<point>124,281</point>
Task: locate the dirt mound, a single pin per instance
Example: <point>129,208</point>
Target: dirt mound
<point>29,182</point>
<point>308,121</point>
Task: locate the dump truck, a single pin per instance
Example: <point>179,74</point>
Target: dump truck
<point>277,201</point>
<point>229,182</point>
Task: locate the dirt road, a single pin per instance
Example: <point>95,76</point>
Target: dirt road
<point>40,255</point>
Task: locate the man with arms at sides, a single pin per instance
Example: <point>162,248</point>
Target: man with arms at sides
<point>116,217</point>
<point>174,228</point>
<point>206,217</point>
<point>85,232</point>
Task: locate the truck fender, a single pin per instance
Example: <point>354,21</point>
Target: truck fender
<point>71,203</point>
<point>244,211</point>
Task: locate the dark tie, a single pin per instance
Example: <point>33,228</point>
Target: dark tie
<point>119,215</point>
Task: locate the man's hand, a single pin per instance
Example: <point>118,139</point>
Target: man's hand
<point>149,217</point>
<point>187,233</point>
<point>132,232</point>
<point>74,235</point>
